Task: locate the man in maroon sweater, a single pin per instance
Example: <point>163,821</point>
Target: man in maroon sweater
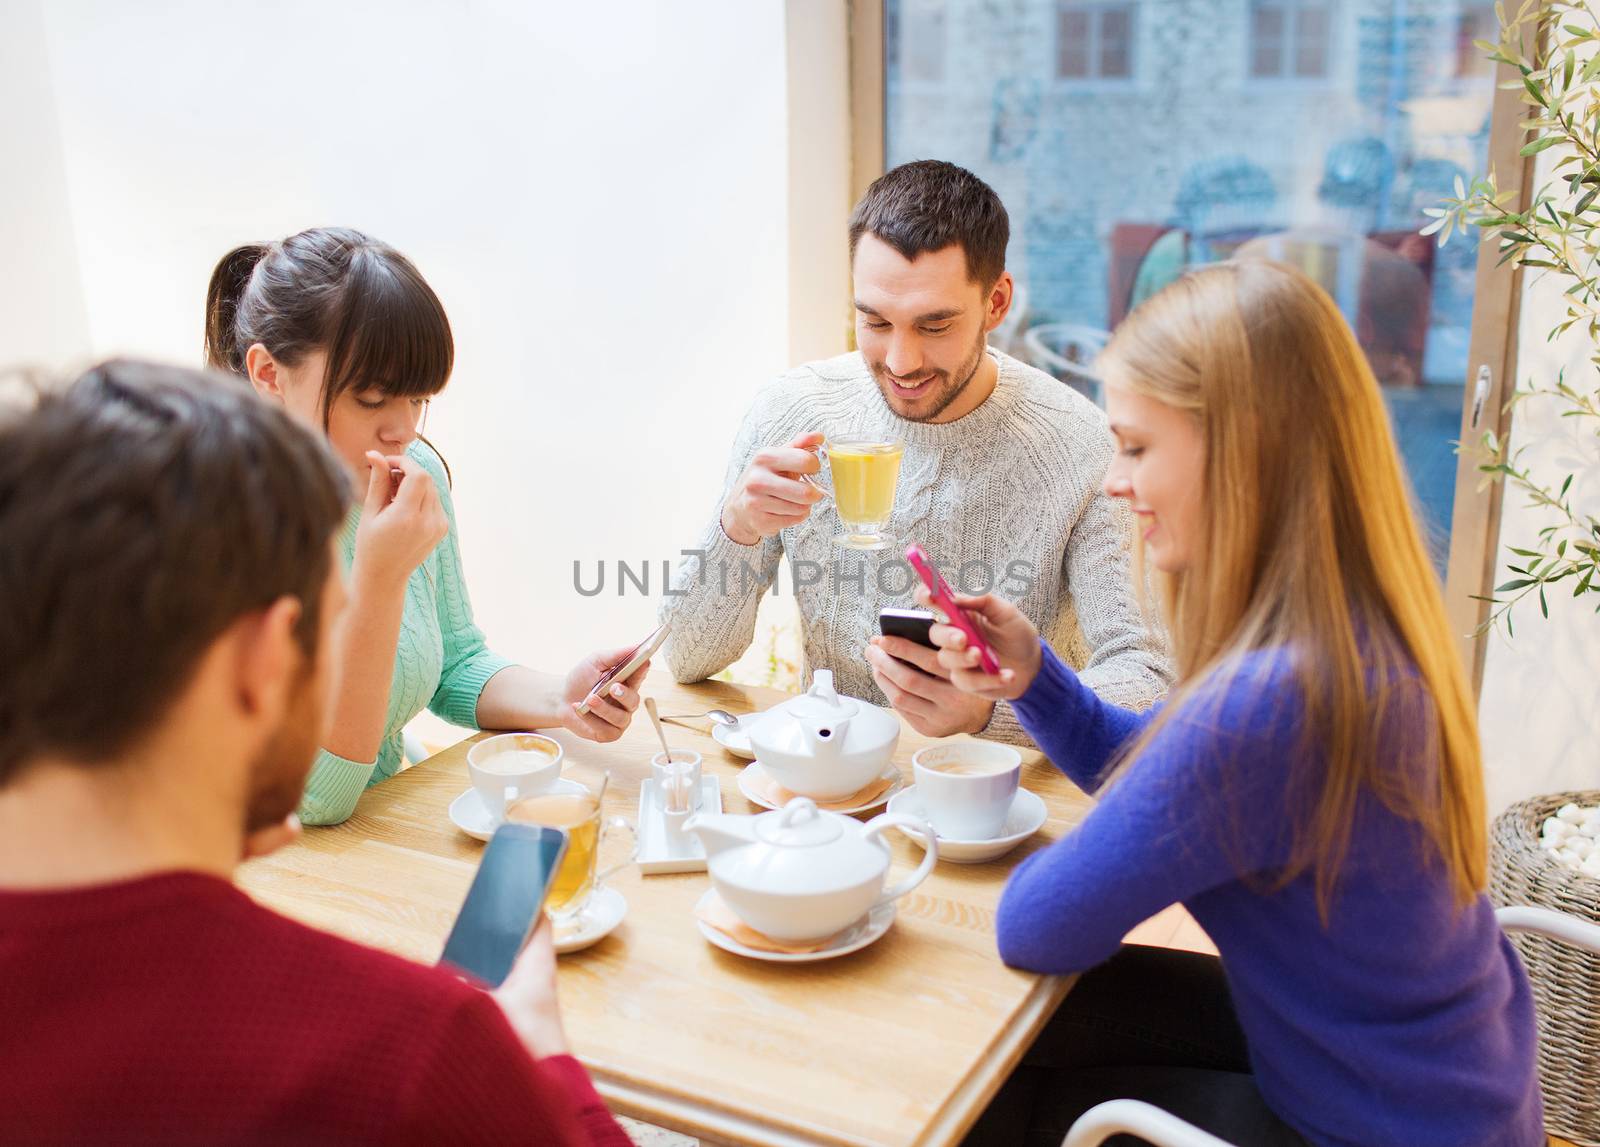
<point>168,587</point>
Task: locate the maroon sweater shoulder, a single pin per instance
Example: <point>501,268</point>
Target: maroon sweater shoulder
<point>175,1009</point>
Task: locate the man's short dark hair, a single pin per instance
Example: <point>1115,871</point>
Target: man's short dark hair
<point>143,510</point>
<point>928,205</point>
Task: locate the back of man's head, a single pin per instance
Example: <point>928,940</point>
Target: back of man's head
<point>929,204</point>
<point>143,510</point>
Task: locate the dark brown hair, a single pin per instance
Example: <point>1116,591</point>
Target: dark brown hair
<point>929,204</point>
<point>144,510</point>
<point>339,291</point>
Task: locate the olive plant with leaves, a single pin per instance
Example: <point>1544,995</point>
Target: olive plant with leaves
<point>1554,45</point>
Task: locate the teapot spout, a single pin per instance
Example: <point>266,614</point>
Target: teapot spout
<point>719,832</point>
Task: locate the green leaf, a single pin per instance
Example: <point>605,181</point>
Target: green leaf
<point>1517,583</point>
<point>1544,606</point>
<point>1564,487</point>
<point>1533,90</point>
<point>1544,143</point>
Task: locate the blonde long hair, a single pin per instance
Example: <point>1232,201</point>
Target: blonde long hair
<point>1308,543</point>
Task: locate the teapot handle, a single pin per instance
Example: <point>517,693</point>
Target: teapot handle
<point>876,827</point>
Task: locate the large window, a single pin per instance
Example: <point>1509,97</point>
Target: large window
<point>1310,131</point>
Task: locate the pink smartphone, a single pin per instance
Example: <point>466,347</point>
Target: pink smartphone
<point>946,602</point>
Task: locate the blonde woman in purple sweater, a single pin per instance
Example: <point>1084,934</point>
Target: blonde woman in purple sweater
<point>1312,792</point>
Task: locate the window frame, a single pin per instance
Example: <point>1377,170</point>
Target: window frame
<point>1492,342</point>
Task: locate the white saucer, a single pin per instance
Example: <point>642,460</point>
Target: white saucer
<point>863,932</point>
<point>1027,816</point>
<point>736,741</point>
<point>599,919</point>
<point>468,814</point>
<point>888,793</point>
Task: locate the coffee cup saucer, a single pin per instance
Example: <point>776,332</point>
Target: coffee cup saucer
<point>755,771</point>
<point>736,741</point>
<point>599,918</point>
<point>1027,816</point>
<point>864,931</point>
<point>467,811</point>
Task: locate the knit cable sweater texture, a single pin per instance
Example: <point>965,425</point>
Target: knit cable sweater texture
<point>442,663</point>
<point>1007,497</point>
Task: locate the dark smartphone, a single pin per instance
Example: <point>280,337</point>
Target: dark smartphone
<point>911,624</point>
<point>505,900</point>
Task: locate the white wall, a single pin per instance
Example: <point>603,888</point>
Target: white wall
<point>599,194</point>
<point>1540,706</point>
<point>42,317</point>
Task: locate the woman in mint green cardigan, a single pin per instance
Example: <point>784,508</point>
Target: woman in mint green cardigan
<point>343,331</point>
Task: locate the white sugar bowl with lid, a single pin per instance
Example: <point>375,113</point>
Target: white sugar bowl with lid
<point>822,745</point>
<point>802,874</point>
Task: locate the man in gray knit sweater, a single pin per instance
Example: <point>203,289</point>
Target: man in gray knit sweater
<point>1000,481</point>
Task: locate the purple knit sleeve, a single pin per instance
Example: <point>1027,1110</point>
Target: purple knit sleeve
<point>1204,804</point>
<point>1078,731</point>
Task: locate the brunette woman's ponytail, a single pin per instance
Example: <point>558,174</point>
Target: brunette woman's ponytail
<point>228,283</point>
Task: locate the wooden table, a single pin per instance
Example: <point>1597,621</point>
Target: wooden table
<point>903,1042</point>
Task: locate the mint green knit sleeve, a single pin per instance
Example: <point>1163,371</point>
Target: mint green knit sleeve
<point>332,788</point>
<point>468,660</point>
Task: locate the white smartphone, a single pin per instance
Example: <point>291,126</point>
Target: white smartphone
<point>625,668</point>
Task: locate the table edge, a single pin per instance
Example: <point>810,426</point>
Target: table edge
<point>967,1102</point>
<point>665,1108</point>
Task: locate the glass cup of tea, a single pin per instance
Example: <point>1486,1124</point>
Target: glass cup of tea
<point>576,807</point>
<point>865,472</point>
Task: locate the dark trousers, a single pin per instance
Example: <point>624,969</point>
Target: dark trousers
<point>1151,1024</point>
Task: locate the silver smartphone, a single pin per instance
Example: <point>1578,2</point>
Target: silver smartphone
<point>623,669</point>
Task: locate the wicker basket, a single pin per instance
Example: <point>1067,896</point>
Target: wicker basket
<point>1566,980</point>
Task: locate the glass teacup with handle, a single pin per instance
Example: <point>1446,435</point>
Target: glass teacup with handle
<point>578,807</point>
<point>865,471</point>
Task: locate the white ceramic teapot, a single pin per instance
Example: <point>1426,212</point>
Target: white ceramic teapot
<point>801,874</point>
<point>822,745</point>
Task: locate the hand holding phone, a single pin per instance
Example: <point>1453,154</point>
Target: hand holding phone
<point>945,601</point>
<point>911,624</point>
<point>624,669</point>
<point>505,902</point>
<point>528,997</point>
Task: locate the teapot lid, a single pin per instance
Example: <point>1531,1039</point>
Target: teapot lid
<point>799,824</point>
<point>821,700</point>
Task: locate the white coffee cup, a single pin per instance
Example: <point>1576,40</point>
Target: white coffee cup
<point>507,767</point>
<point>966,787</point>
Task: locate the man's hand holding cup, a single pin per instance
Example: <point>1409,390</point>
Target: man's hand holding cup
<point>770,495</point>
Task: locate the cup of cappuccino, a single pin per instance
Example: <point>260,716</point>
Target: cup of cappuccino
<point>966,787</point>
<point>510,766</point>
